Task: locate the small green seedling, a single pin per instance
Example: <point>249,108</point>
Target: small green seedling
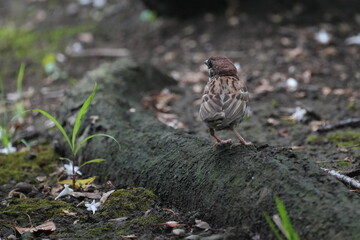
<point>72,142</point>
<point>6,128</point>
<point>283,224</point>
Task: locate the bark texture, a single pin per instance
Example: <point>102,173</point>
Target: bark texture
<point>229,187</point>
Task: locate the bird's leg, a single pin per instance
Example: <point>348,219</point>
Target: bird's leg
<point>241,139</point>
<point>218,140</point>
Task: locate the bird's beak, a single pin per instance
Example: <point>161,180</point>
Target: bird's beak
<point>206,62</point>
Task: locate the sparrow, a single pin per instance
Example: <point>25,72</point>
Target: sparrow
<point>224,100</point>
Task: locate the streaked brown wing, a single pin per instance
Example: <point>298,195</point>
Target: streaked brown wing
<point>235,102</point>
<point>211,104</point>
<point>224,102</point>
<point>210,108</point>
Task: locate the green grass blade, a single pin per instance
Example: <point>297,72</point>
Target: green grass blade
<point>290,232</point>
<point>20,77</point>
<point>58,125</point>
<point>93,161</point>
<point>92,136</point>
<point>81,114</point>
<point>4,137</point>
<point>273,227</point>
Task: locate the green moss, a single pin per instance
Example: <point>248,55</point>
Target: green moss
<point>313,139</point>
<point>39,210</point>
<point>25,166</point>
<point>340,138</point>
<point>124,201</point>
<point>100,231</point>
<point>351,105</point>
<point>274,103</point>
<point>140,224</point>
<point>343,163</point>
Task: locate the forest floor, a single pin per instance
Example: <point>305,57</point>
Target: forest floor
<point>297,83</point>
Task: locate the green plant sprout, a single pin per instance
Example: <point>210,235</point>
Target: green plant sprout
<point>6,129</point>
<point>72,142</point>
<point>283,224</point>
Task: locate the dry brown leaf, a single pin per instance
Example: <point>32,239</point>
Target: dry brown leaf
<point>294,53</point>
<point>348,159</point>
<point>263,86</point>
<point>46,226</point>
<point>283,132</point>
<point>201,224</point>
<point>131,236</point>
<point>314,125</point>
<point>344,150</point>
<point>105,196</point>
<point>71,214</point>
<point>329,51</point>
<point>171,211</point>
<point>91,195</point>
<point>120,219</point>
<point>41,178</point>
<point>272,121</point>
<point>306,76</point>
<point>297,147</point>
<point>160,101</point>
<point>15,193</point>
<point>170,119</point>
<point>326,91</point>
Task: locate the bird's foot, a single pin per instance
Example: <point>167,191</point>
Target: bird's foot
<point>223,142</point>
<point>241,143</point>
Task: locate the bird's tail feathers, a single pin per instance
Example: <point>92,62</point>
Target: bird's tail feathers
<point>216,119</point>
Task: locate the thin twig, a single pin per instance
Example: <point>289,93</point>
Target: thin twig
<point>29,219</point>
<point>351,122</point>
<point>345,179</point>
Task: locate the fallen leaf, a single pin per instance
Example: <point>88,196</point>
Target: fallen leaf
<point>79,182</point>
<point>294,53</point>
<point>91,195</point>
<point>121,219</point>
<point>171,211</point>
<point>264,86</point>
<point>66,212</point>
<point>131,236</point>
<point>105,196</point>
<point>41,178</point>
<point>178,232</point>
<point>344,150</point>
<point>201,224</point>
<point>46,226</point>
<point>272,121</point>
<point>283,132</point>
<point>314,125</point>
<point>171,224</point>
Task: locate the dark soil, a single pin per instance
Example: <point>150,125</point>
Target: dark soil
<point>270,47</point>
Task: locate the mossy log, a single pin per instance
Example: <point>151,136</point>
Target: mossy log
<point>229,187</point>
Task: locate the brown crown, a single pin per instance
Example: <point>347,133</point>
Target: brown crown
<point>221,66</point>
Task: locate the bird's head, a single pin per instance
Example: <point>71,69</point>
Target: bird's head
<point>220,66</point>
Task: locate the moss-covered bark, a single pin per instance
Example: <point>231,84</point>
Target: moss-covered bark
<point>230,187</point>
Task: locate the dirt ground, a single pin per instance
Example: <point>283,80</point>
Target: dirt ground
<point>297,83</point>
